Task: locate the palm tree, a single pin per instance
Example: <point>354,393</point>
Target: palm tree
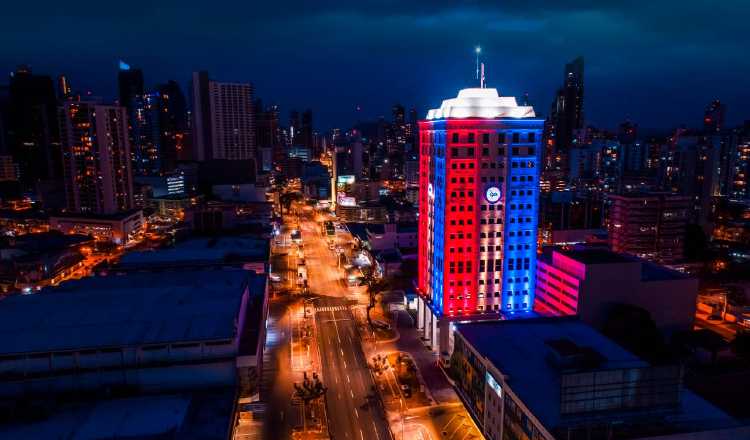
<point>307,392</point>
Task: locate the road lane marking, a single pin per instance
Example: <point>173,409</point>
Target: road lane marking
<point>376,430</point>
<point>351,392</point>
<point>362,434</point>
<point>347,379</point>
<point>356,413</point>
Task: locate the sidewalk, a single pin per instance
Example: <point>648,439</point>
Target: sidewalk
<point>427,363</point>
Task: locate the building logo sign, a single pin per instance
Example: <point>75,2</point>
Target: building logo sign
<point>492,194</point>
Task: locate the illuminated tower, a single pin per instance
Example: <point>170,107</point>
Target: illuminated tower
<point>478,203</point>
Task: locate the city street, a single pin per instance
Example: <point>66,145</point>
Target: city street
<point>334,351</point>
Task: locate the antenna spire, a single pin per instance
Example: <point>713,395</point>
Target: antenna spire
<point>478,50</point>
<point>481,78</point>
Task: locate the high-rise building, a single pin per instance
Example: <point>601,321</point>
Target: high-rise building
<point>713,117</point>
<point>201,117</point>
<point>33,137</point>
<point>294,128</point>
<point>223,122</point>
<point>64,90</point>
<point>739,163</point>
<point>173,125</point>
<point>96,157</point>
<point>650,226</point>
<point>566,116</point>
<point>233,124</point>
<point>268,131</point>
<point>142,111</point>
<point>478,209</point>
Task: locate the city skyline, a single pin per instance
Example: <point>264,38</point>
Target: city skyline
<point>375,221</point>
<point>370,56</point>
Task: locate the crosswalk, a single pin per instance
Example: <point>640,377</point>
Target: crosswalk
<point>330,309</point>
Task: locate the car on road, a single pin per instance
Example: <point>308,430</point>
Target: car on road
<point>714,317</point>
<point>274,277</point>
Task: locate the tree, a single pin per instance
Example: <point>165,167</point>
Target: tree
<point>311,389</point>
<point>741,344</point>
<point>633,328</point>
<point>286,199</point>
<point>375,286</point>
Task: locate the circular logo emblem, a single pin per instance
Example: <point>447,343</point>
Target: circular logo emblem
<point>430,191</point>
<point>492,194</point>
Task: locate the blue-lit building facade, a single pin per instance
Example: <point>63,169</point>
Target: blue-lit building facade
<point>478,210</point>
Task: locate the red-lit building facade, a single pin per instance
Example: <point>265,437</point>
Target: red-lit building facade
<point>478,207</point>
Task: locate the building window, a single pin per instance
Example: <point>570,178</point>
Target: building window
<point>501,138</point>
<point>455,137</point>
<point>485,138</point>
<point>516,138</point>
<point>471,138</point>
<point>532,137</point>
<point>485,151</point>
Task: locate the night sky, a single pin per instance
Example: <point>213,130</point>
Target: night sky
<point>658,62</point>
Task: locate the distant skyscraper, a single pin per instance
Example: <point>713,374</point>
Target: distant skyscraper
<point>201,117</point>
<point>478,210</point>
<point>268,132</point>
<point>713,118</point>
<point>232,121</point>
<point>130,86</point>
<point>64,90</point>
<point>294,128</point>
<point>142,112</point>
<point>306,132</point>
<point>96,155</point>
<point>566,116</point>
<point>33,136</point>
<point>173,125</point>
<point>398,129</point>
<point>739,163</point>
<point>223,121</point>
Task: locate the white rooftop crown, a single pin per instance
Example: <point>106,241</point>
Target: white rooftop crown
<point>481,103</point>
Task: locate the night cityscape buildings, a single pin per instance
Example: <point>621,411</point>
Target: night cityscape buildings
<point>300,245</point>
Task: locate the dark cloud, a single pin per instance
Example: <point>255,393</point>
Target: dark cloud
<point>656,62</point>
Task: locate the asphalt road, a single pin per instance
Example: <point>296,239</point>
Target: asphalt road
<point>353,409</point>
